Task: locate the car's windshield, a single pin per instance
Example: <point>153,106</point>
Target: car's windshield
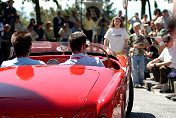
<point>63,47</point>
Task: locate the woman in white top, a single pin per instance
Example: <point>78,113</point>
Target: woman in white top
<point>116,37</point>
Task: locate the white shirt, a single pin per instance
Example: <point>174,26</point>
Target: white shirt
<point>168,55</point>
<point>116,38</point>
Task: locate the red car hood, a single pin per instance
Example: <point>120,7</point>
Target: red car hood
<point>45,89</point>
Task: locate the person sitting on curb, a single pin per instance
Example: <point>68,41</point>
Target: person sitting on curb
<point>163,65</point>
<point>22,43</point>
<point>77,42</point>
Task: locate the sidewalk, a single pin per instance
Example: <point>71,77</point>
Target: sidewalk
<point>149,82</point>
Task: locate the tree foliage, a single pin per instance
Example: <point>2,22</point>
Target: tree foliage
<point>108,10</point>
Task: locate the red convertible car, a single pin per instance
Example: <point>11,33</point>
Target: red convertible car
<point>67,91</point>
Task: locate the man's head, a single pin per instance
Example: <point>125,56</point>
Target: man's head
<point>77,41</point>
<point>10,2</point>
<point>22,42</point>
<point>168,40</point>
<point>58,13</point>
<point>172,27</point>
<point>159,24</point>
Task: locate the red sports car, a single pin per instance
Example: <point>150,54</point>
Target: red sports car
<point>66,91</point>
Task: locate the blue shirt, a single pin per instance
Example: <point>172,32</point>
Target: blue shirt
<point>21,61</point>
<point>82,59</point>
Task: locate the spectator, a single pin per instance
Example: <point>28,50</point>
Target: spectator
<point>70,23</point>
<point>18,24</point>
<point>1,35</point>
<point>22,43</point>
<point>39,30</point>
<point>6,43</point>
<point>77,42</point>
<point>103,16</point>
<point>10,15</point>
<point>76,27</point>
<point>87,26</point>
<point>132,21</point>
<point>74,17</point>
<point>161,31</point>
<point>116,37</point>
<point>150,53</point>
<point>162,65</point>
<point>165,18</point>
<point>58,22</point>
<point>144,20</point>
<point>32,21</point>
<point>102,29</point>
<point>137,43</point>
<point>120,15</point>
<point>49,32</point>
<point>31,31</point>
<point>64,33</point>
<point>156,14</point>
<point>153,29</point>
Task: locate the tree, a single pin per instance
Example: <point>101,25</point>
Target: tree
<point>3,5</point>
<point>37,7</point>
<point>107,9</point>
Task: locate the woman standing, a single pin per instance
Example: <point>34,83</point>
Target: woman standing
<point>116,37</point>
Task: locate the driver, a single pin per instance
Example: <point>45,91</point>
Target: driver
<point>77,42</point>
<point>22,43</point>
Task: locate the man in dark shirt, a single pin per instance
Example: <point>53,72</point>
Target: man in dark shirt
<point>10,14</point>
<point>58,22</point>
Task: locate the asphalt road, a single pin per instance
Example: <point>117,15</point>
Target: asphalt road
<point>148,104</point>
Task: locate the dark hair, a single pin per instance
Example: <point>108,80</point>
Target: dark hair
<point>32,19</point>
<point>156,10</point>
<point>30,25</point>
<point>76,40</point>
<point>149,40</point>
<point>167,36</point>
<point>21,41</point>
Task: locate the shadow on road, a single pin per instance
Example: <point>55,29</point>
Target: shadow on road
<point>141,115</point>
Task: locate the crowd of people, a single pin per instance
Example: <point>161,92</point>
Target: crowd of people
<point>147,42</point>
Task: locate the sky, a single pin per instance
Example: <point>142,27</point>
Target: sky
<point>132,6</point>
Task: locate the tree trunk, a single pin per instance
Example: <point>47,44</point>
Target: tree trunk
<point>143,2</point>
<point>37,9</point>
<point>149,10</point>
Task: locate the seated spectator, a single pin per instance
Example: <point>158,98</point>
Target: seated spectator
<point>64,33</point>
<point>161,31</point>
<point>76,27</point>
<point>18,24</point>
<point>150,53</point>
<point>144,20</point>
<point>49,32</point>
<point>153,29</point>
<point>22,43</point>
<point>156,14</point>
<point>33,34</point>
<point>165,18</point>
<point>77,42</point>
<point>163,65</point>
<point>39,30</point>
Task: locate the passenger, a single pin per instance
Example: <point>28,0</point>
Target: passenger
<point>77,42</point>
<point>22,43</point>
<point>163,65</point>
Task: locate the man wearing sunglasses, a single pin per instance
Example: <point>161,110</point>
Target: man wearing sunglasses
<point>163,65</point>
<point>77,42</point>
